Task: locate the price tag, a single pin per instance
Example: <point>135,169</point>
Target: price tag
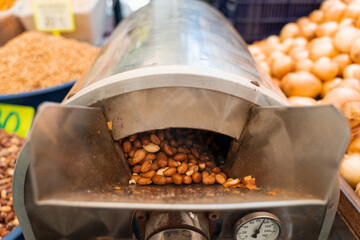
<point>16,119</point>
<point>54,16</point>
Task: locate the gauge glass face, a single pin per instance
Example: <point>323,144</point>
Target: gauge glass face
<point>260,228</point>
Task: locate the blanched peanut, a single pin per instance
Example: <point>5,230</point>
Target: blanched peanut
<point>177,178</point>
<point>169,172</point>
<point>148,174</point>
<point>151,148</point>
<point>159,180</point>
<point>182,168</point>
<point>161,171</point>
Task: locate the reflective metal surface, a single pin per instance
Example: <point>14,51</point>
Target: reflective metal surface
<point>178,234</point>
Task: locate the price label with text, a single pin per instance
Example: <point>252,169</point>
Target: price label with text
<point>53,15</point>
<point>16,119</point>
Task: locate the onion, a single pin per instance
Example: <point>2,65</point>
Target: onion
<point>354,146</point>
<point>254,50</point>
<point>316,16</point>
<point>326,29</point>
<point>330,85</point>
<point>340,96</point>
<point>275,55</point>
<point>350,83</point>
<point>299,53</point>
<point>325,68</point>
<point>344,38</point>
<point>352,71</point>
<point>290,30</point>
<point>347,22</point>
<point>350,169</point>
<point>334,12</point>
<point>355,51</point>
<point>342,60</point>
<point>264,66</point>
<point>282,66</point>
<point>351,111</point>
<point>322,49</point>
<point>304,65</point>
<point>277,82</point>
<point>299,42</point>
<point>352,11</point>
<point>308,30</point>
<point>301,101</point>
<point>302,84</point>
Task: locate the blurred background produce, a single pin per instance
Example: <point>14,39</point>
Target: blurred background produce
<point>316,60</point>
<point>10,25</point>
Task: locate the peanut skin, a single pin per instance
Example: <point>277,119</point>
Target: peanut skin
<point>146,166</point>
<point>155,139</point>
<point>139,155</point>
<point>196,177</point>
<point>143,181</point>
<point>180,157</point>
<point>177,178</point>
<point>182,168</point>
<point>169,172</point>
<point>148,174</point>
<point>220,178</point>
<point>126,146</point>
<point>209,180</point>
<point>187,179</point>
<point>159,180</point>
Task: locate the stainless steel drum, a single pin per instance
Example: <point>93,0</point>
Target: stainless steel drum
<point>178,64</point>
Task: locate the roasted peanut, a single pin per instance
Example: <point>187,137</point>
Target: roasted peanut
<point>155,166</point>
<point>202,165</point>
<point>168,135</point>
<point>187,179</point>
<point>139,155</point>
<point>216,170</point>
<point>205,174</point>
<point>160,134</point>
<point>161,159</point>
<point>177,178</point>
<point>204,157</point>
<point>231,182</point>
<point>169,180</point>
<point>210,164</point>
<point>208,180</point>
<point>132,137</point>
<point>134,177</point>
<point>126,146</point>
<point>161,171</point>
<point>137,143</point>
<point>213,174</point>
<point>145,139</point>
<point>131,162</point>
<point>151,148</point>
<point>193,161</point>
<point>146,166</point>
<point>144,181</point>
<point>195,152</point>
<point>180,157</point>
<point>150,156</point>
<point>182,168</point>
<point>223,174</point>
<point>220,178</point>
<point>168,150</point>
<point>162,144</point>
<point>169,172</point>
<point>136,169</point>
<point>132,152</point>
<point>173,143</point>
<point>183,150</point>
<point>173,163</point>
<point>148,174</point>
<point>192,170</point>
<point>159,180</point>
<point>155,139</point>
<point>196,177</point>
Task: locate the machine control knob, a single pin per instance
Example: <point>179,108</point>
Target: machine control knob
<point>258,225</point>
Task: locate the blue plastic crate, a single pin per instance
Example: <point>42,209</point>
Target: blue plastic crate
<point>258,19</point>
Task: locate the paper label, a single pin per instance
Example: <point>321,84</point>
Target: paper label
<point>16,119</point>
<point>53,15</point>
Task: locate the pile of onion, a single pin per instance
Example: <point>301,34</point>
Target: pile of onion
<point>316,60</point>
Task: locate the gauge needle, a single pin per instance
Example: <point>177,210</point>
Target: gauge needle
<point>257,231</point>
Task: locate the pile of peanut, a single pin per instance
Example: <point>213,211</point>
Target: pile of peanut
<point>10,146</point>
<point>159,157</point>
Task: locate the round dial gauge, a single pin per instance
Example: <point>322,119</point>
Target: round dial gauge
<point>259,225</point>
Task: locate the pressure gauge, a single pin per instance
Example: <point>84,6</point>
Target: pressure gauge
<point>258,225</point>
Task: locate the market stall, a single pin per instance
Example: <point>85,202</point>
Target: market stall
<point>176,128</point>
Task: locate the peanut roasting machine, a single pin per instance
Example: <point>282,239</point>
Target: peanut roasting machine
<point>178,64</point>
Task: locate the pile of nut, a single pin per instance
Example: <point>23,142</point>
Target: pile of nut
<point>10,146</point>
<point>179,156</point>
